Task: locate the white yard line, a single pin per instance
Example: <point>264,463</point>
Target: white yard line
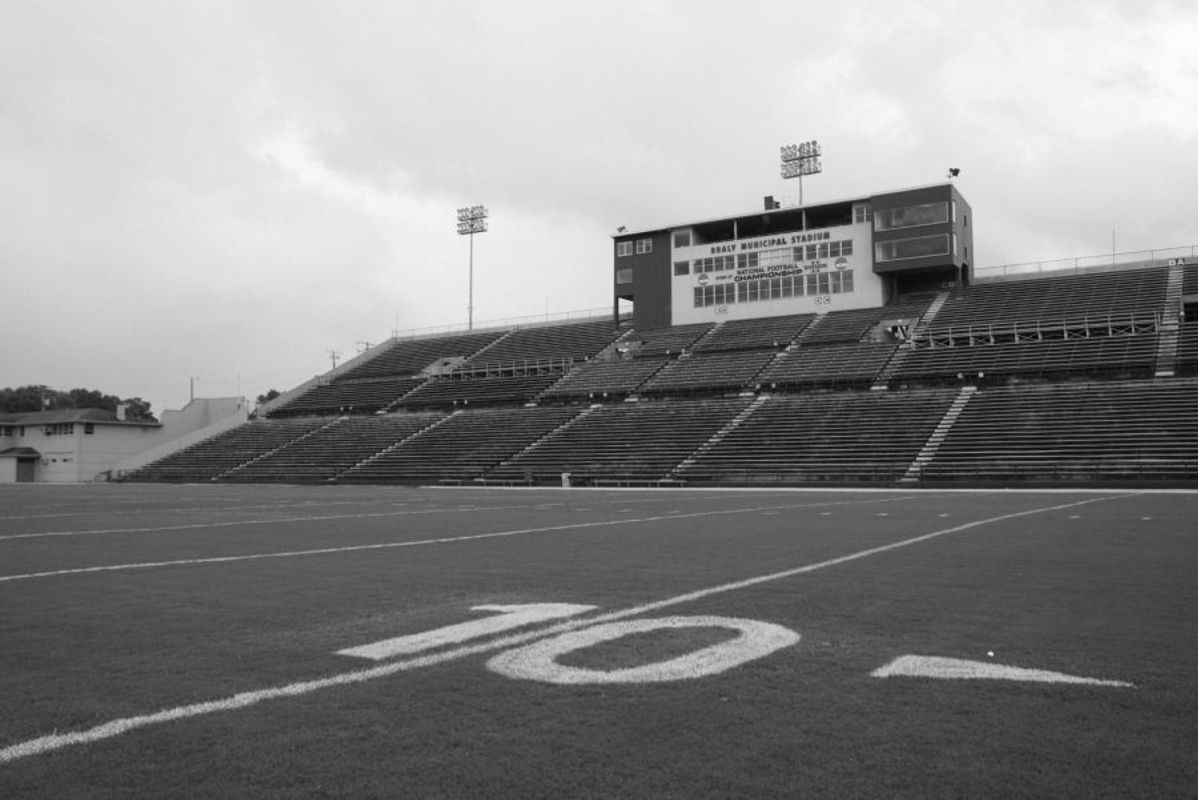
<point>243,522</point>
<point>389,545</point>
<point>108,730</point>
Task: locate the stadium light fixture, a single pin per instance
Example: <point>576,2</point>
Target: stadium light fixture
<point>471,220</point>
<point>801,159</point>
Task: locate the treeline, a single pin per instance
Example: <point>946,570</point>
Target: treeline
<point>43,398</point>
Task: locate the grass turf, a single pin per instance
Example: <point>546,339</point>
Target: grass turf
<point>1101,590</point>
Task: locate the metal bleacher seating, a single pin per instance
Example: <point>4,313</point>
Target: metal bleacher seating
<point>462,447</point>
<point>350,397</point>
<point>1067,432</point>
<point>568,341</point>
<point>332,449</point>
<point>604,379</point>
<point>627,442</point>
<point>211,458</point>
<point>708,372</point>
<point>664,342</point>
<point>479,391</point>
<point>836,436</point>
<point>1128,354</point>
<point>828,365</point>
<point>754,334</point>
<point>410,356</point>
<point>1059,299</point>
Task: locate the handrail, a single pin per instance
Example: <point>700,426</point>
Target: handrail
<point>1077,266</point>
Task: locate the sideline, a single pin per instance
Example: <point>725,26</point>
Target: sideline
<point>108,730</point>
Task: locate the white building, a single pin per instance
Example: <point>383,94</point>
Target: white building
<point>90,444</point>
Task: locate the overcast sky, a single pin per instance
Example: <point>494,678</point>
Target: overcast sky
<point>226,191</point>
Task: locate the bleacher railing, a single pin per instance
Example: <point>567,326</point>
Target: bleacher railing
<point>1077,266</point>
<point>533,321</point>
<point>1129,324</point>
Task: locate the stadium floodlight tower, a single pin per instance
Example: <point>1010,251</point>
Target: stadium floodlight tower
<point>472,220</point>
<point>801,159</point>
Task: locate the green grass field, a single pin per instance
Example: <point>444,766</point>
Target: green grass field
<point>182,641</point>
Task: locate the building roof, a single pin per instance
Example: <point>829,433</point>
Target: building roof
<point>759,211</point>
<point>20,452</point>
<point>101,416</point>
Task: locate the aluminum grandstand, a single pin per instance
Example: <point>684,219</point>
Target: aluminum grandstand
<point>847,343</point>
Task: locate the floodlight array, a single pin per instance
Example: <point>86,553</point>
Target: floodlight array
<point>801,159</point>
<point>472,219</point>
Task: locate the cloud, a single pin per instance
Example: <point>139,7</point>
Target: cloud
<point>231,190</point>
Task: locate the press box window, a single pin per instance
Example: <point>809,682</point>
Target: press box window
<point>682,239</point>
<point>911,216</point>
<point>624,275</point>
<point>919,247</point>
<point>682,268</point>
<point>623,249</point>
<point>644,246</point>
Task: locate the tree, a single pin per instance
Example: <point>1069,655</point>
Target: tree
<point>266,398</point>
<point>24,399</point>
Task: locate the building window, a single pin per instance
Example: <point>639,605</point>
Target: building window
<point>682,239</point>
<point>918,247</point>
<point>911,216</point>
<point>89,428</point>
<point>624,275</point>
<point>682,268</point>
<point>860,212</point>
<point>623,249</point>
<point>644,246</point>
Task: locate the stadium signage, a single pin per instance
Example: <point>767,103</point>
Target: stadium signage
<point>773,241</point>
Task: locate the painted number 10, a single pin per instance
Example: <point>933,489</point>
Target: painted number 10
<point>538,661</point>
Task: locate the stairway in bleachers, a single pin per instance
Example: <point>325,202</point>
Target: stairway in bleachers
<point>1171,313</point>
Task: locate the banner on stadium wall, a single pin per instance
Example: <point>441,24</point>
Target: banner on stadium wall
<point>797,272</point>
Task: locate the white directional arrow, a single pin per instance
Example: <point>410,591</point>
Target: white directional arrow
<point>509,617</point>
<point>960,669</point>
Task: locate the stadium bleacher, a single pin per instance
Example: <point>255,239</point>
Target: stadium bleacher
<point>828,365</point>
<point>1109,431</point>
<point>213,457</point>
<point>332,449</point>
<point>1065,367</point>
<point>626,442</point>
<point>846,437</point>
<point>463,447</point>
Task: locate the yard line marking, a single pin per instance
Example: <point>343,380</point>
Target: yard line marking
<point>244,522</point>
<point>174,510</point>
<point>960,669</point>
<point>108,730</point>
<point>417,542</point>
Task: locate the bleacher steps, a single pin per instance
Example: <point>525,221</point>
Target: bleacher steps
<point>798,340</point>
<point>261,456</point>
<point>928,451</point>
<point>549,435</point>
<point>705,335</point>
<point>1170,326</point>
<point>394,445</point>
<point>882,380</point>
<point>719,435</point>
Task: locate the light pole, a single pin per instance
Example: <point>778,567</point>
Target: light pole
<point>472,220</point>
<point>801,159</point>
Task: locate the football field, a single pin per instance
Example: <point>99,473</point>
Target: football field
<point>223,641</point>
